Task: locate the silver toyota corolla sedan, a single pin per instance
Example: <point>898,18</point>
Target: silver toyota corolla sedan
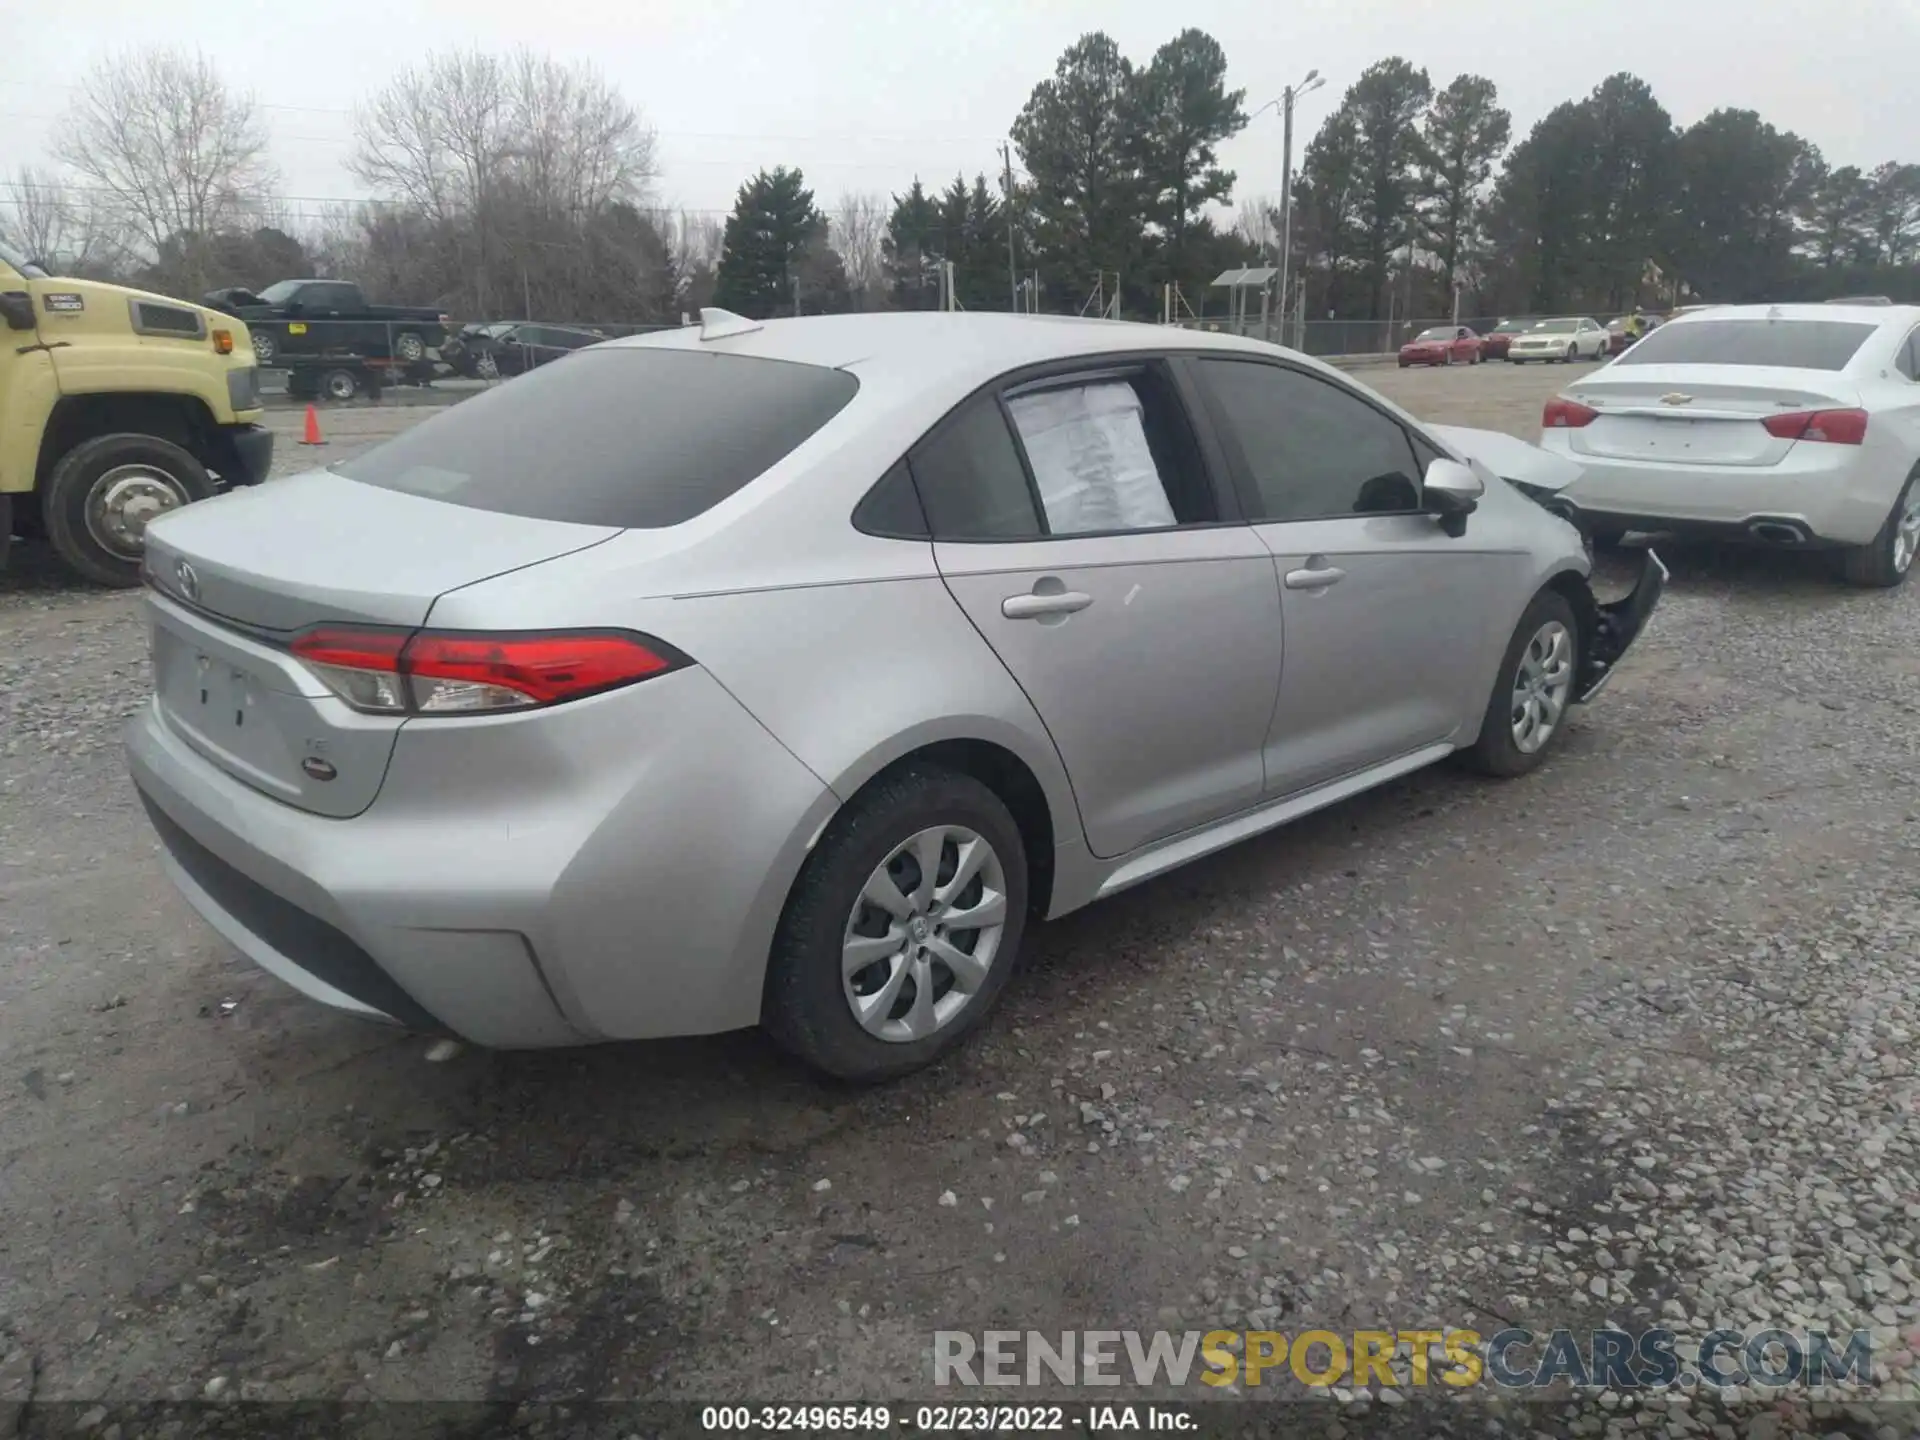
<point>784,673</point>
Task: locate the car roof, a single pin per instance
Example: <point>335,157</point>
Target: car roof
<point>950,346</point>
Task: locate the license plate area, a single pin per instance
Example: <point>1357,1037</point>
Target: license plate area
<point>224,708</point>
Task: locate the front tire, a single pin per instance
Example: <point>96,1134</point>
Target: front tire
<point>102,494</point>
<point>341,385</point>
<point>1532,693</point>
<point>870,977</point>
<point>1885,561</point>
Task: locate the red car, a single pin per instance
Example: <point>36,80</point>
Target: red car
<point>1442,345</point>
<point>1493,345</point>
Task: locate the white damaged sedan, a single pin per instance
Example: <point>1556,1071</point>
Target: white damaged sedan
<point>1787,425</point>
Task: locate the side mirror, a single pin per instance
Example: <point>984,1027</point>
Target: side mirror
<point>1452,492</point>
<point>16,307</point>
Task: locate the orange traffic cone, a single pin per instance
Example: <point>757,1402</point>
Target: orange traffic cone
<point>312,437</point>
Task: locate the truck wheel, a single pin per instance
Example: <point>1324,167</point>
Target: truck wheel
<point>102,494</point>
<point>410,348</point>
<point>340,384</point>
<point>265,348</point>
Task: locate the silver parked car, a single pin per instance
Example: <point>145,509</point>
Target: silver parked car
<point>783,673</point>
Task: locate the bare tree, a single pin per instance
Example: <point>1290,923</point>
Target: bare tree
<point>517,166</point>
<point>857,227</point>
<point>175,154</point>
<point>579,145</point>
<point>1256,221</point>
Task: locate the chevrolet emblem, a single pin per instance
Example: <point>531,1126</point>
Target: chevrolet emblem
<point>1676,398</point>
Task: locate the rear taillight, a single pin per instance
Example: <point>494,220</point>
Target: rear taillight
<point>449,672</point>
<point>1833,427</point>
<point>1564,414</point>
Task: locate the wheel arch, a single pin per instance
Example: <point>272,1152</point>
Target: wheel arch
<point>183,420</point>
<point>1033,787</point>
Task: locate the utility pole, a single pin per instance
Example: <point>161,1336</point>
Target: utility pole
<point>1313,81</point>
<point>1013,278</point>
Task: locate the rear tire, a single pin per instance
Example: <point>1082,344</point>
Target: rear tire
<point>265,349</point>
<point>1886,560</point>
<point>808,1003</point>
<point>101,495</point>
<point>409,348</point>
<point>1546,643</point>
<point>340,384</point>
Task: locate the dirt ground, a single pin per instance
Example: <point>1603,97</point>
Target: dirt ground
<point>1394,1065</point>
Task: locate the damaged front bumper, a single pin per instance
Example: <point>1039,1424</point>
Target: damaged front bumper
<point>1608,630</point>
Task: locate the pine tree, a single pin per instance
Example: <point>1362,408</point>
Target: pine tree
<point>773,229</point>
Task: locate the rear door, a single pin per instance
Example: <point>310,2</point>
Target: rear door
<point>1385,615</point>
<point>1078,524</point>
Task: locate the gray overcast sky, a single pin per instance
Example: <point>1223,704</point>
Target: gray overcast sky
<point>862,94</point>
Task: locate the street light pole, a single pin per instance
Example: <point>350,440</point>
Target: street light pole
<point>1287,97</point>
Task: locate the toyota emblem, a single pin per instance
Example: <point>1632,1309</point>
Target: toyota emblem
<point>186,579</point>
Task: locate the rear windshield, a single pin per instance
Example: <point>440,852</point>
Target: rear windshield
<point>1788,344</point>
<point>639,438</point>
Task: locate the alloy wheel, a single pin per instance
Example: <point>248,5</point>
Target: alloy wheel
<point>1906,532</point>
<point>1541,686</point>
<point>922,937</point>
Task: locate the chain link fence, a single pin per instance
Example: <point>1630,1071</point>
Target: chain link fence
<point>322,358</point>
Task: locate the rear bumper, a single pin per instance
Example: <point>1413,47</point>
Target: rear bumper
<point>1832,504</point>
<point>518,893</point>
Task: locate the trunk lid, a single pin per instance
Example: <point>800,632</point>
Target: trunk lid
<point>1698,414</point>
<point>318,547</point>
<point>235,577</point>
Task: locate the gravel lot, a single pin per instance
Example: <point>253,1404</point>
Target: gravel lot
<point>1633,1038</point>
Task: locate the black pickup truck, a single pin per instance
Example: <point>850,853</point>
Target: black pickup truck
<point>294,319</point>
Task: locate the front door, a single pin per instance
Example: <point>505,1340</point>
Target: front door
<point>1386,616</point>
<point>1079,529</point>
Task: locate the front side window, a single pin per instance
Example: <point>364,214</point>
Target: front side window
<point>1312,450</point>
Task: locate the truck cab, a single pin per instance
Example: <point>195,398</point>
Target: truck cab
<point>116,406</point>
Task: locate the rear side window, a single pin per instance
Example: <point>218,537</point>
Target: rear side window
<point>1787,344</point>
<point>637,438</point>
<point>971,481</point>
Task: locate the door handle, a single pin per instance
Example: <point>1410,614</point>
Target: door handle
<point>1035,607</point>
<point>1315,579</point>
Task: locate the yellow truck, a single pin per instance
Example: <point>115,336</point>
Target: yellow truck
<point>116,406</point>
